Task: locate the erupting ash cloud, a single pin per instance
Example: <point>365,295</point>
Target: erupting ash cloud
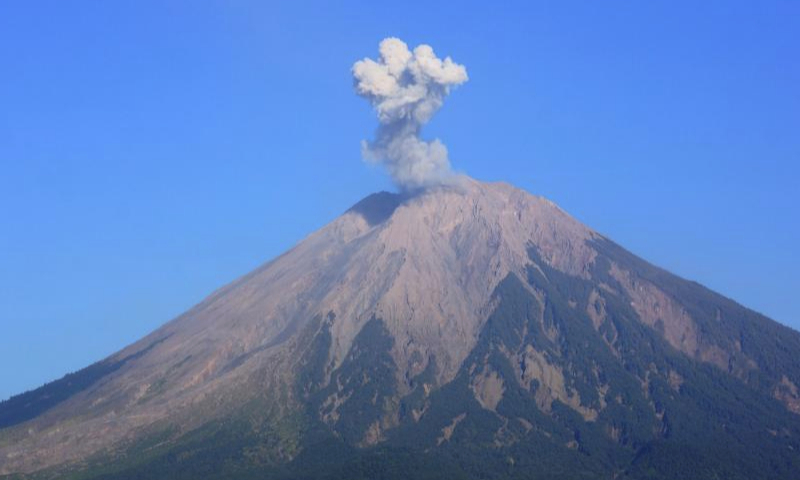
<point>406,89</point>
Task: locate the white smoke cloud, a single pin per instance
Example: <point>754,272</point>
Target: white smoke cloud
<point>406,89</point>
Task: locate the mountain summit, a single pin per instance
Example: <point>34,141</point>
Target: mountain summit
<point>467,331</point>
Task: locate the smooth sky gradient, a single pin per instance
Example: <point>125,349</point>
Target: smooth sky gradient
<point>151,152</point>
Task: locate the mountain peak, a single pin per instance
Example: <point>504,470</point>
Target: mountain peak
<point>523,319</point>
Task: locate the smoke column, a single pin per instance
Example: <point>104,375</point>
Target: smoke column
<point>406,88</point>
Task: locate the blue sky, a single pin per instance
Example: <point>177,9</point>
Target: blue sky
<point>151,152</point>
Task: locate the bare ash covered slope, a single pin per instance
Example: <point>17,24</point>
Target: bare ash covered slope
<point>472,317</point>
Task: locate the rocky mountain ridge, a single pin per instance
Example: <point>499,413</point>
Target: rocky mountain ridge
<point>473,317</point>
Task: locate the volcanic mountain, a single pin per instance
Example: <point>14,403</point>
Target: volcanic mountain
<point>466,331</point>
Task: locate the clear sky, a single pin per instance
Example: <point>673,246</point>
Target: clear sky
<point>151,152</point>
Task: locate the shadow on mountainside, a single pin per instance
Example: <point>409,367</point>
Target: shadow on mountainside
<point>378,207</point>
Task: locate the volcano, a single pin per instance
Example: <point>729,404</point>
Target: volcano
<point>465,331</point>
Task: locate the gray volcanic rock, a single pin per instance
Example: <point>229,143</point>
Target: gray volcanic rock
<point>408,322</point>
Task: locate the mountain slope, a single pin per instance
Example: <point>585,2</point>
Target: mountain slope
<point>474,331</point>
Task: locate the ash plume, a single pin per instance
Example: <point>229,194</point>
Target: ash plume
<point>406,88</point>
